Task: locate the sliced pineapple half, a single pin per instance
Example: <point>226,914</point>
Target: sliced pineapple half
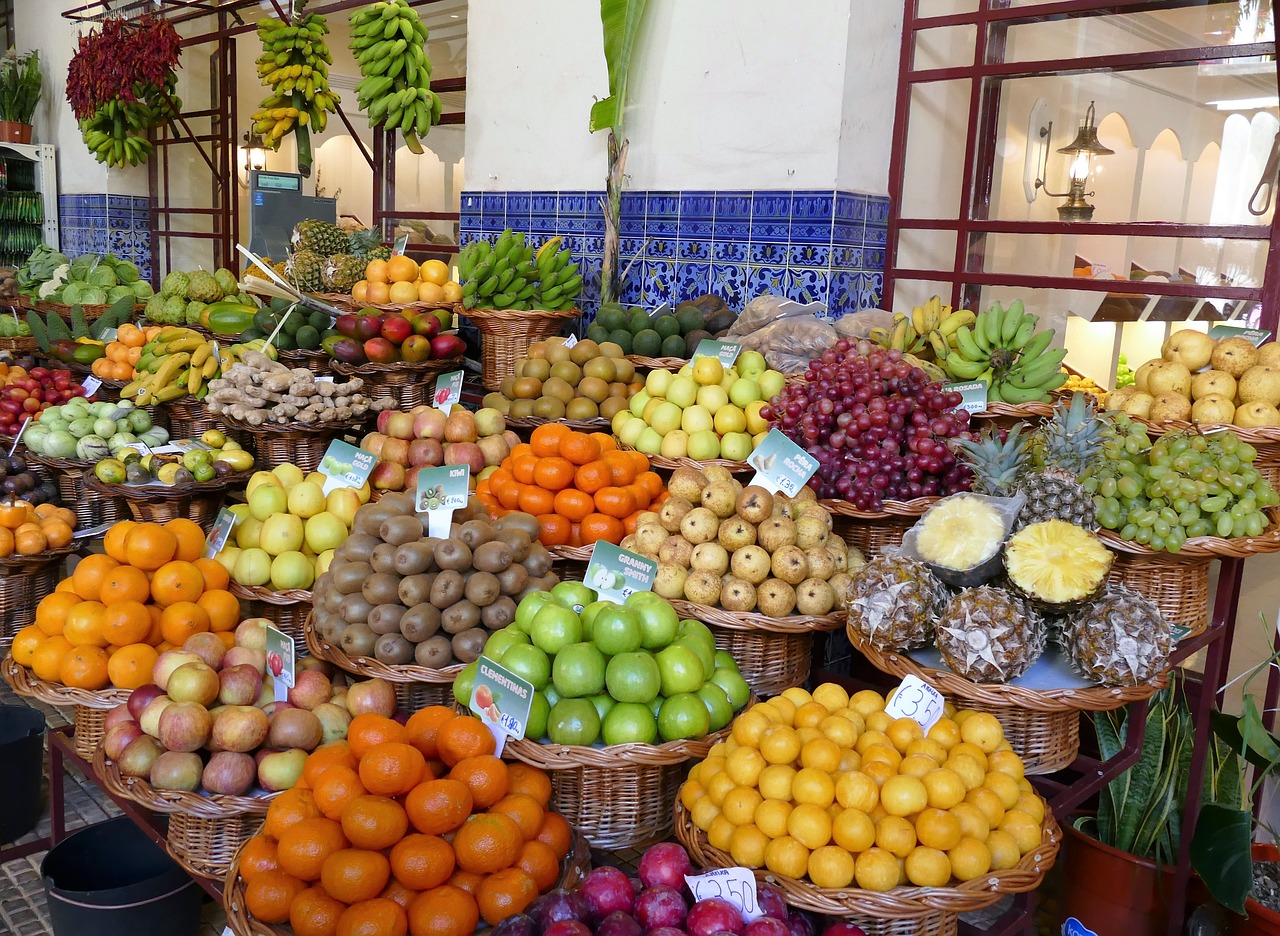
<point>960,532</point>
<point>1057,563</point>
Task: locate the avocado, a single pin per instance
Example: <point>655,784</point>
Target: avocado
<point>319,320</point>
<point>294,321</point>
<point>263,320</point>
<point>637,321</point>
<point>690,318</point>
<point>285,342</point>
<point>597,332</point>
<point>708,303</point>
<point>691,340</point>
<point>673,346</point>
<point>666,326</point>
<point>612,317</point>
<point>622,338</point>
<point>720,320</point>
<point>279,305</point>
<point>249,334</point>
<point>647,343</point>
<point>308,338</point>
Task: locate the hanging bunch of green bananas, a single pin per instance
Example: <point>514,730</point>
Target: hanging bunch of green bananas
<point>294,64</point>
<point>389,43</point>
<point>559,281</point>
<point>1003,348</point>
<point>498,276</point>
<point>116,133</point>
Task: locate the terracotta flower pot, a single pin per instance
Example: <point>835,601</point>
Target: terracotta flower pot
<point>1260,921</point>
<point>13,132</point>
<point>1111,892</point>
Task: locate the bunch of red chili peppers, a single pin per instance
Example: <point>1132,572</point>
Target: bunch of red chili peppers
<point>118,57</point>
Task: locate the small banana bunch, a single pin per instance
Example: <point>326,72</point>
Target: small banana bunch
<point>927,333</point>
<point>501,276</point>
<point>388,40</point>
<point>1003,348</point>
<point>180,361</point>
<point>116,133</point>
<point>294,64</point>
<point>559,281</point>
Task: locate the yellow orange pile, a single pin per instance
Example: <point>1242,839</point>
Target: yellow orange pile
<point>401,279</point>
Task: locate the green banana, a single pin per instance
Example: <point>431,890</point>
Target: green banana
<point>963,368</point>
<point>1009,325</point>
<point>968,346</point>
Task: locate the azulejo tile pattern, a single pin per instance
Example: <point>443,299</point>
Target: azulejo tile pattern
<point>812,245</point>
<point>116,224</point>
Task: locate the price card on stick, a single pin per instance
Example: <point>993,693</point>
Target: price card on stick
<point>616,573</point>
<point>91,385</point>
<point>344,465</point>
<point>502,700</point>
<point>18,438</point>
<point>220,533</point>
<point>1255,336</point>
<point>916,699</point>
<point>448,390</point>
<point>781,465</point>
<point>726,351</point>
<point>402,243</point>
<point>440,492</point>
<point>571,341</point>
<point>736,885</point>
<point>280,662</point>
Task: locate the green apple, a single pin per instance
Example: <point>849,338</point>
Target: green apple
<point>718,705</point>
<point>631,431</point>
<point>771,384</point>
<point>680,668</point>
<point>704,445</point>
<point>727,380</point>
<point>658,620</point>
<point>713,397</point>
<point>700,632</point>
<point>756,423</point>
<point>574,721</point>
<point>706,656</point>
<point>675,444</point>
<point>324,530</point>
<point>744,392</point>
<point>633,677</point>
<point>253,567</point>
<point>553,628</point>
<point>281,533</point>
<point>616,629</point>
<point>665,417</point>
<point>464,682</point>
<point>708,371</point>
<point>248,532</point>
<point>682,392</point>
<point>639,402</point>
<point>620,419</point>
<point>724,659</point>
<point>730,419</point>
<point>500,642</point>
<point>528,662</point>
<point>260,478</point>
<point>530,605</point>
<point>734,686</point>
<point>655,705</point>
<point>343,503</point>
<point>291,570</point>
<point>683,715</point>
<point>736,446</point>
<point>306,499</point>
<point>657,382</point>
<point>629,723</point>
<point>550,692</point>
<point>536,727</point>
<point>589,614</point>
<point>751,364</point>
<point>696,418</point>
<point>603,703</point>
<point>650,441</point>
<point>267,499</point>
<point>573,595</point>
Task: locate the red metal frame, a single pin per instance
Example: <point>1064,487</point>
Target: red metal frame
<point>989,70</point>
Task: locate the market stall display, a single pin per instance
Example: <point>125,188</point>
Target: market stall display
<point>190,297</point>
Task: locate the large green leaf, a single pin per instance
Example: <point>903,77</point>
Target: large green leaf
<point>1255,733</point>
<point>621,21</point>
<point>1220,854</point>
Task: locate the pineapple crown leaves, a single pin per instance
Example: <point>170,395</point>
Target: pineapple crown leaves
<point>1073,437</point>
<point>996,465</point>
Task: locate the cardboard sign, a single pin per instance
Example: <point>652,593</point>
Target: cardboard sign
<point>440,492</point>
<point>220,533</point>
<point>344,465</point>
<point>616,573</point>
<point>1255,336</point>
<point>501,699</point>
<point>781,465</point>
<point>726,351</point>
<point>973,394</point>
<point>736,885</point>
<point>917,700</point>
<point>448,390</point>
<point>280,662</point>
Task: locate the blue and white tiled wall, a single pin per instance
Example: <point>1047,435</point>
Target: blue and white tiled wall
<point>116,224</point>
<point>823,246</point>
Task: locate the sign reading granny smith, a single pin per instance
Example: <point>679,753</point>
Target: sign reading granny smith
<point>441,491</point>
<point>448,390</point>
<point>781,465</point>
<point>616,573</point>
<point>344,465</point>
<point>726,351</point>
<point>973,394</point>
<point>501,699</point>
<point>1255,336</point>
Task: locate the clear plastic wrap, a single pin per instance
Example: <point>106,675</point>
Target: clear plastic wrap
<point>764,310</point>
<point>989,567</point>
<point>859,324</point>
<point>789,344</point>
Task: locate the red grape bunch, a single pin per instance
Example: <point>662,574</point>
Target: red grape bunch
<point>880,428</point>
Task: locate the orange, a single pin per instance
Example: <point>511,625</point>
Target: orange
<point>421,862</point>
<point>270,895</point>
<point>598,526</point>
<point>149,546</point>
<point>287,808</point>
<point>305,845</point>
<point>554,473</point>
<point>622,468</point>
<point>443,911</point>
<point>523,810</point>
<point>182,619</point>
<point>25,643</point>
<point>369,729</point>
<point>57,533</point>
<point>556,530</point>
<point>439,806</point>
<point>462,737</point>
<point>545,440</point>
<point>487,843</point>
<point>402,269</point>
<point>522,467</point>
<point>509,495</point>
<point>223,609</point>
<point>89,575</point>
<point>46,661</point>
<point>421,729</point>
<point>376,271</point>
<point>555,832</point>
<point>573,504</point>
<point>392,768</point>
<point>68,586</point>
<point>400,894</point>
<point>579,448</point>
<point>592,476</point>
<point>190,538</point>
<point>333,754</point>
<point>315,913</point>
<point>521,778</point>
<point>378,917</point>
<point>176,581</point>
<point>131,666</point>
<point>486,776</point>
<point>52,611</point>
<point>113,542</point>
<point>215,575</point>
<point>83,626</point>
<point>536,500</point>
<point>126,622</point>
<point>374,822</point>
<point>258,855</point>
<point>30,541</point>
<point>651,481</point>
<point>353,874</point>
<point>85,668</point>
<point>466,881</point>
<point>539,861</point>
<point>613,501</point>
<point>505,894</point>
<point>434,271</point>
<point>156,637</point>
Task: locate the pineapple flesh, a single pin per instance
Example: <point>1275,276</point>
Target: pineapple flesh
<point>1057,564</point>
<point>989,635</point>
<point>1121,639</point>
<point>960,532</point>
<point>893,601</point>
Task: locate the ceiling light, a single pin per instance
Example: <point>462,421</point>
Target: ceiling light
<point>1255,103</point>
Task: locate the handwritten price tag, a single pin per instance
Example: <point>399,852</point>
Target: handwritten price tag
<point>220,533</point>
<point>571,341</point>
<point>91,385</point>
<point>616,573</point>
<point>917,700</point>
<point>781,465</point>
<point>736,885</point>
<point>448,390</point>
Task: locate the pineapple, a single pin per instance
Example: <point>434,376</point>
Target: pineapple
<point>319,236</point>
<point>996,465</point>
<point>892,602</point>
<point>989,635</point>
<point>1056,565</point>
<point>1120,640</point>
<point>365,243</point>
<point>342,271</point>
<point>960,532</point>
<point>1069,443</point>
<point>306,269</point>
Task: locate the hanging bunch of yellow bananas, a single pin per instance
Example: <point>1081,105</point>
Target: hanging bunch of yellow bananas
<point>294,64</point>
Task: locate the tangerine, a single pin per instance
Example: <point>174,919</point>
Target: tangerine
<point>539,861</point>
<point>374,822</point>
<point>545,440</point>
<point>422,726</point>
<point>148,546</point>
<point>487,843</point>
<point>421,862</point>
<point>215,574</point>
<point>315,913</point>
<point>270,895</point>
<point>85,668</point>
<point>392,768</point>
<point>125,583</point>
<point>436,807</point>
<point>190,538</point>
<point>131,666</point>
<point>177,581</point>
<point>523,810</point>
<point>443,911</point>
<point>400,894</point>
<point>521,778</point>
<point>126,622</point>
<point>463,736</point>
<point>505,894</point>
<point>258,855</point>
<point>469,882</point>
<point>289,807</point>
<point>182,619</point>
<point>369,729</point>
<point>334,789</point>
<point>354,874</point>
<point>555,832</point>
<point>305,845</point>
<point>485,776</point>
<point>381,916</point>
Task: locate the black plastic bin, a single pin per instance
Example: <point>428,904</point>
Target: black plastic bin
<point>111,880</point>
<point>22,754</point>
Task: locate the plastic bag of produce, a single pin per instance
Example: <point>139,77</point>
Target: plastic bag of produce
<point>790,343</point>
<point>859,324</point>
<point>763,310</point>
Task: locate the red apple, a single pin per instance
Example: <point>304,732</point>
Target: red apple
<point>383,418</point>
<point>429,424</point>
<point>396,329</point>
<point>396,450</point>
<point>371,695</point>
<point>465,453</point>
<point>426,452</point>
<point>387,476</point>
<point>374,441</point>
<point>381,351</point>
<point>416,348</point>
<point>399,426</point>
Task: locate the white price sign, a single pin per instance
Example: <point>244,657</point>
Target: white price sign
<point>736,885</point>
<point>916,699</point>
<point>91,385</point>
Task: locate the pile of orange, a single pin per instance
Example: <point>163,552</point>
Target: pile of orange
<point>579,485</point>
<point>414,828</point>
<point>106,623</point>
<point>28,531</point>
<point>124,352</point>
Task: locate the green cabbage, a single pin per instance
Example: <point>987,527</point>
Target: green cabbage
<point>102,276</point>
<point>127,273</point>
<point>142,289</point>
<point>91,295</point>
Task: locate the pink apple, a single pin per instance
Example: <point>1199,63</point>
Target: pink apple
<point>384,418</point>
<point>426,452</point>
<point>119,737</point>
<point>396,450</point>
<point>667,864</point>
<point>387,476</point>
<point>429,424</point>
<point>465,453</point>
<point>117,716</point>
<point>661,906</point>
<point>374,441</point>
<point>400,426</point>
<point>372,695</point>
<point>310,688</point>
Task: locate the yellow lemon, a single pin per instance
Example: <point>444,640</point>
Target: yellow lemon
<point>775,782</point>
<point>1024,829</point>
<point>866,702</point>
<point>973,821</point>
<point>928,747</point>
<point>855,790</point>
<point>853,830</point>
<point>779,744</point>
<point>838,731</point>
<point>810,715</point>
<point>882,753</point>
<point>1003,786</point>
<point>964,766</point>
<point>831,866</point>
<point>771,817</point>
<point>832,696</point>
<point>971,750</point>
<point>982,730</point>
<point>969,859</point>
<point>719,749</point>
<point>903,796</point>
<point>946,732</point>
<point>917,765</point>
<point>704,813</point>
<point>748,845</point>
<point>1032,805</point>
<point>1004,850</point>
<point>810,825</point>
<point>877,870</point>
<point>945,787</point>
<point>896,835</point>
<point>787,857</point>
<point>690,792</point>
<point>744,766</point>
<point>937,828</point>
<point>1006,762</point>
<point>928,867</point>
<point>748,727</point>
<point>785,708</point>
<point>739,806</point>
<point>988,802</point>
<point>820,754</point>
<point>813,786</point>
<point>872,738</point>
<point>879,771</point>
<point>796,696</point>
<point>902,731</point>
<point>721,833</point>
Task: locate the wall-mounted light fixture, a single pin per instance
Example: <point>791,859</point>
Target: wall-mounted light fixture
<point>1082,150</point>
<point>255,152</point>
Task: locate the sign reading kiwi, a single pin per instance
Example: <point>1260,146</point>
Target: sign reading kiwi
<point>344,465</point>
<point>781,465</point>
<point>440,492</point>
<point>616,573</point>
<point>502,700</point>
<point>448,390</point>
<point>726,351</point>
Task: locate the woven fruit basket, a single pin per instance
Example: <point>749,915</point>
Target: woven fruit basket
<point>902,911</point>
<point>772,653</point>
<point>92,508</point>
<point>1006,415</point>
<point>671,464</point>
<point>91,706</point>
<point>505,336</point>
<point>24,582</point>
<point>416,686</point>
<point>302,444</point>
<point>344,301</point>
<point>158,503</point>
<point>189,419</point>
<point>23,345</point>
<point>599,424</point>
<point>92,311</point>
<point>405,384</point>
<point>872,531</point>
<point>286,610</point>
<point>205,831</point>
<point>657,363</point>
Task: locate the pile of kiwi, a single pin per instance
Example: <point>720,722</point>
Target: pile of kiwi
<point>400,596</point>
<point>587,381</point>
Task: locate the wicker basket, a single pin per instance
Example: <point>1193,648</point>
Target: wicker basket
<point>205,832</point>
<point>318,362</point>
<point>302,444</point>
<point>158,503</point>
<point>286,610</point>
<point>92,508</point>
<point>1007,415</point>
<point>671,464</point>
<point>872,531</point>
<point>406,385</point>
<point>407,673</point>
<point>24,582</point>
<point>916,904</point>
<point>23,345</point>
<point>91,312</point>
<point>657,363</point>
<point>344,301</point>
<point>599,424</point>
<point>91,706</point>
<point>189,419</point>
<point>505,336</point>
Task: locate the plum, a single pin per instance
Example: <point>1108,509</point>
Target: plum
<point>605,890</point>
<point>714,915</point>
<point>661,906</point>
<point>619,923</point>
<point>558,905</point>
<point>841,928</point>
<point>771,901</point>
<point>799,923</point>
<point>666,863</point>
<point>766,926</point>
<point>567,928</point>
<point>519,925</point>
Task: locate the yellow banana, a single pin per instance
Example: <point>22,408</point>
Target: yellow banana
<point>201,354</point>
<point>172,364</point>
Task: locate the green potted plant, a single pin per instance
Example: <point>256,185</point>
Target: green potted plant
<point>20,84</point>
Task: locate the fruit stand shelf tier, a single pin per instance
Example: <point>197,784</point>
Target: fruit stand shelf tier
<point>91,706</point>
<point>158,503</point>
<point>24,581</point>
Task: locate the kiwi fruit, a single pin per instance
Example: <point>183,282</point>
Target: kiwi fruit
<point>482,589</point>
<point>369,519</point>
<point>517,539</point>
<point>513,578</point>
<point>460,616</point>
<point>415,557</point>
<point>358,639</point>
<point>518,520</point>
<point>330,628</point>
<point>383,558</point>
<point>538,562</point>
<point>381,588</point>
<point>385,618</point>
<point>355,609</point>
<point>447,588</point>
<point>400,530</point>
<point>434,653</point>
<point>493,556</point>
<point>358,547</point>
<point>499,614</point>
<point>329,600</point>
<point>420,622</point>
<point>397,503</point>
<point>452,554</point>
<point>415,589</point>
<point>476,532</point>
<point>468,645</point>
<point>349,578</point>
<point>393,649</point>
